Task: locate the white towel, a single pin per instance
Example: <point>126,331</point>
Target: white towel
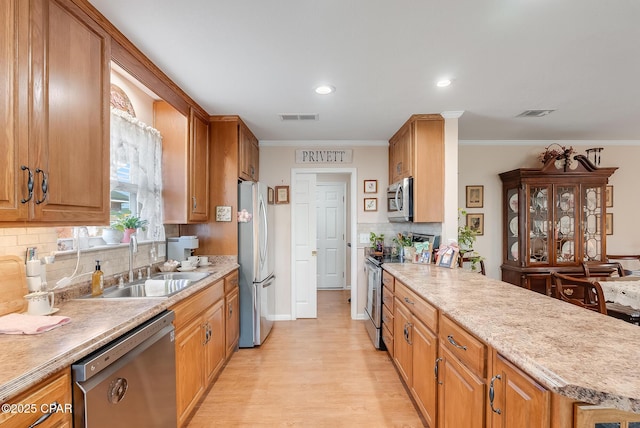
<point>30,324</point>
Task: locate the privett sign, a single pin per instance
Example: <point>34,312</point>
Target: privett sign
<point>316,156</point>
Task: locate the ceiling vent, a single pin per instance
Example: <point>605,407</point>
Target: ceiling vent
<point>294,117</point>
<point>535,113</point>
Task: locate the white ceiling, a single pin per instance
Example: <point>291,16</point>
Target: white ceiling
<point>261,58</point>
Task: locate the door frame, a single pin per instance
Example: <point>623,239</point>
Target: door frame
<point>353,219</point>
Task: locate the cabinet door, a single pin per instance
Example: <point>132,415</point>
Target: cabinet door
<point>215,342</point>
<point>190,370</point>
<point>13,82</point>
<point>425,384</point>
<point>248,155</point>
<point>461,398</point>
<point>69,122</point>
<point>233,321</point>
<point>402,350</point>
<point>400,155</point>
<point>199,169</point>
<point>519,399</point>
<point>567,241</point>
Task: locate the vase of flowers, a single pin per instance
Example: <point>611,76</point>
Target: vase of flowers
<point>129,224</point>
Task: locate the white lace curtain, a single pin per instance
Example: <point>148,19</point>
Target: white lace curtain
<point>138,145</point>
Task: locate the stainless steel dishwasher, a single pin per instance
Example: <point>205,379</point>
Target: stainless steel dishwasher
<point>130,382</point>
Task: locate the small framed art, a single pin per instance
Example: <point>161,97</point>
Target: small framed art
<point>608,196</point>
<point>475,196</point>
<point>282,194</point>
<point>608,223</point>
<point>270,195</point>
<point>371,204</point>
<point>475,222</point>
<point>370,186</point>
<point>447,257</point>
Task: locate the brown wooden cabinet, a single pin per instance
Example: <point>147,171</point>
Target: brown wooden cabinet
<point>185,164</point>
<point>518,401</point>
<point>200,345</point>
<point>416,348</point>
<point>232,308</point>
<point>56,116</point>
<point>249,154</point>
<point>417,150</point>
<point>553,220</point>
<point>52,396</point>
<point>388,284</point>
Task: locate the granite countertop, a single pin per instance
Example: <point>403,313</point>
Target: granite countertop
<point>29,359</point>
<point>574,352</point>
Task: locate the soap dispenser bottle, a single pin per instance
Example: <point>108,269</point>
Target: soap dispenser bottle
<point>97,281</point>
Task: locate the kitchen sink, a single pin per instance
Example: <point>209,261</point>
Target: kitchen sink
<point>164,285</point>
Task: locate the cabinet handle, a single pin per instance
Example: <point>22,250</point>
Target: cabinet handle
<point>230,310</point>
<point>406,299</point>
<point>453,342</point>
<point>492,393</point>
<point>435,369</point>
<point>52,409</point>
<point>29,184</point>
<point>206,334</point>
<point>195,202</point>
<point>45,186</point>
<point>409,326</point>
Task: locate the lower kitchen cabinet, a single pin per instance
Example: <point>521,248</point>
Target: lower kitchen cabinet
<point>200,345</point>
<point>51,399</point>
<point>232,308</point>
<point>461,396</point>
<point>424,385</point>
<point>518,401</point>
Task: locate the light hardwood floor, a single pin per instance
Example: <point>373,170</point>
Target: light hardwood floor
<point>320,372</point>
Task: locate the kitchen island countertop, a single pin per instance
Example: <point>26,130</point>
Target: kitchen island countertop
<point>29,359</point>
<point>572,351</point>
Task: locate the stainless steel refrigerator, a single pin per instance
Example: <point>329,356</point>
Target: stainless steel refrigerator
<point>255,256</point>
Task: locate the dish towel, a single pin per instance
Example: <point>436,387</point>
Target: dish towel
<point>30,324</point>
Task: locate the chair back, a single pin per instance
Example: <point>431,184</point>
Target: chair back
<point>630,262</point>
<point>579,292</point>
<point>462,260</point>
<point>602,269</point>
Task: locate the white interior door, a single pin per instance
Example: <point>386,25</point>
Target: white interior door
<point>330,235</point>
<point>304,242</point>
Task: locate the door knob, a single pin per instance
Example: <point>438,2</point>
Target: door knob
<point>314,253</point>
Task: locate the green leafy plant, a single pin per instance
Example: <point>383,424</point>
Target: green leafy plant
<point>128,221</point>
<point>403,240</point>
<point>377,241</point>
<point>466,239</point>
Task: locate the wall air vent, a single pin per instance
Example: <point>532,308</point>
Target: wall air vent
<point>299,116</point>
<point>535,113</point>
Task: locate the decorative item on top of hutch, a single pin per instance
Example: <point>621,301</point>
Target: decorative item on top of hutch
<point>552,219</point>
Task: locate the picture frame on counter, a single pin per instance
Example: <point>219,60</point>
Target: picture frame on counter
<point>371,204</point>
<point>475,196</point>
<point>447,257</point>
<point>282,194</point>
<point>475,222</point>
<point>370,186</point>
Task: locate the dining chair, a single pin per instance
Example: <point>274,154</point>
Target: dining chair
<point>463,260</point>
<point>630,262</point>
<point>579,292</point>
<point>595,268</point>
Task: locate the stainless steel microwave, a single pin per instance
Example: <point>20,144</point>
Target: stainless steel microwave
<point>400,201</point>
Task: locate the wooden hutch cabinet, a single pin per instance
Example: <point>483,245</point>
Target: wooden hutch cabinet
<point>553,220</point>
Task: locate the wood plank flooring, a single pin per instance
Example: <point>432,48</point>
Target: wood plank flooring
<point>320,372</point>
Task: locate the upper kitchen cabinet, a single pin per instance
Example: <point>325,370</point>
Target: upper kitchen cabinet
<point>417,150</point>
<point>553,220</point>
<point>55,73</point>
<point>185,164</point>
<point>248,154</point>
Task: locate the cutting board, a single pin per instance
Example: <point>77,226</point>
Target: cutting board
<point>13,285</point>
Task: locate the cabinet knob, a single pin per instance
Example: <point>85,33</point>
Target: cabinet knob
<point>195,203</point>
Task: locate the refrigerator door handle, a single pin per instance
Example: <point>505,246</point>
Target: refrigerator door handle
<point>263,245</point>
<point>268,281</point>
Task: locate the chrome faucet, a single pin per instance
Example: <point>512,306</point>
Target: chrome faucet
<point>133,248</point>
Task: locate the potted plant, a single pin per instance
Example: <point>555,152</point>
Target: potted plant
<point>466,239</point>
<point>377,242</point>
<point>404,244</point>
<point>128,224</point>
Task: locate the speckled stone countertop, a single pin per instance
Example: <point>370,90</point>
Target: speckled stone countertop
<point>569,350</point>
<point>26,360</point>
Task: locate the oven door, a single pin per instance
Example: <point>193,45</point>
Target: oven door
<point>374,292</point>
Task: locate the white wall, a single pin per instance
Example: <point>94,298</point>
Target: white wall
<point>480,162</point>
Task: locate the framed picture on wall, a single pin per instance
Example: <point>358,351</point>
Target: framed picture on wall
<point>608,196</point>
<point>370,186</point>
<point>475,196</point>
<point>270,195</point>
<point>282,194</point>
<point>608,223</point>
<point>371,204</point>
<point>475,222</point>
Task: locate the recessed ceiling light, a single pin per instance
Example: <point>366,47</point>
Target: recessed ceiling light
<point>325,89</point>
<point>443,83</point>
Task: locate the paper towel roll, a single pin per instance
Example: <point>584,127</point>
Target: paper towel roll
<point>34,283</point>
<point>33,268</point>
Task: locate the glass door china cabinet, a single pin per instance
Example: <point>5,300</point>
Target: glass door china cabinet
<point>553,220</point>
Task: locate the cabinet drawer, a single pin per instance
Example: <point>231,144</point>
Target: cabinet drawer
<point>230,282</point>
<point>387,298</point>
<point>463,345</point>
<point>387,318</point>
<point>195,304</point>
<point>388,280</point>
<point>387,338</point>
<point>418,306</point>
<point>30,405</point>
